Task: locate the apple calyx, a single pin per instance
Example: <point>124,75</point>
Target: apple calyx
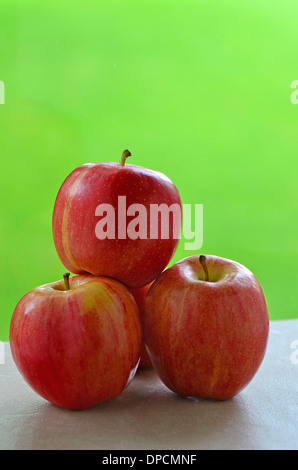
<point>204,265</point>
<point>66,281</point>
<point>125,154</point>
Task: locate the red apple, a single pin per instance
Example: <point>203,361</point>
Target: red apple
<point>139,296</point>
<point>77,346</point>
<point>103,224</point>
<point>206,327</point>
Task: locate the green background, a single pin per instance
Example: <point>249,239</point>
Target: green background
<point>200,90</point>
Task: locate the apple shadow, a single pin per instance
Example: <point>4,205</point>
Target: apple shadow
<point>145,416</point>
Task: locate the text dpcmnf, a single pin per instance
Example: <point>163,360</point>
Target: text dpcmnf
<point>151,459</point>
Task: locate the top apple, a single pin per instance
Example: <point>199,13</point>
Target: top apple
<point>117,220</point>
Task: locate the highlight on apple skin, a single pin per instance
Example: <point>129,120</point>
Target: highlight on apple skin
<point>206,326</point>
<point>77,341</point>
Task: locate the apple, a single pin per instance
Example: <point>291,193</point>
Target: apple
<point>139,295</point>
<point>77,341</point>
<point>206,326</point>
<point>105,221</point>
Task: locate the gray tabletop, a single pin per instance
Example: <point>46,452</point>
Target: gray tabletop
<point>149,416</point>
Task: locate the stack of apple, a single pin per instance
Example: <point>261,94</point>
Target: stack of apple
<point>202,323</point>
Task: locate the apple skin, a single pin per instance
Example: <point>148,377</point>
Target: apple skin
<point>206,339</point>
<point>139,295</point>
<point>79,347</point>
<point>134,262</point>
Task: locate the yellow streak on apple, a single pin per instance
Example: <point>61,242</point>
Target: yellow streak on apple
<point>65,219</point>
<point>100,298</point>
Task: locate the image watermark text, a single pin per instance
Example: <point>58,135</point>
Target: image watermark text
<point>2,93</point>
<point>2,353</point>
<point>294,94</point>
<point>158,221</point>
<point>294,355</point>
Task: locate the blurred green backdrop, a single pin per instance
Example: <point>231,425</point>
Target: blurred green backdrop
<point>199,90</point>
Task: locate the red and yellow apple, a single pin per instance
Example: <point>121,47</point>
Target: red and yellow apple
<point>206,326</point>
<point>77,341</point>
<point>117,191</point>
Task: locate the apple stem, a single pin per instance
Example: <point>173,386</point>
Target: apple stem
<point>203,263</point>
<point>66,281</point>
<point>125,154</point>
